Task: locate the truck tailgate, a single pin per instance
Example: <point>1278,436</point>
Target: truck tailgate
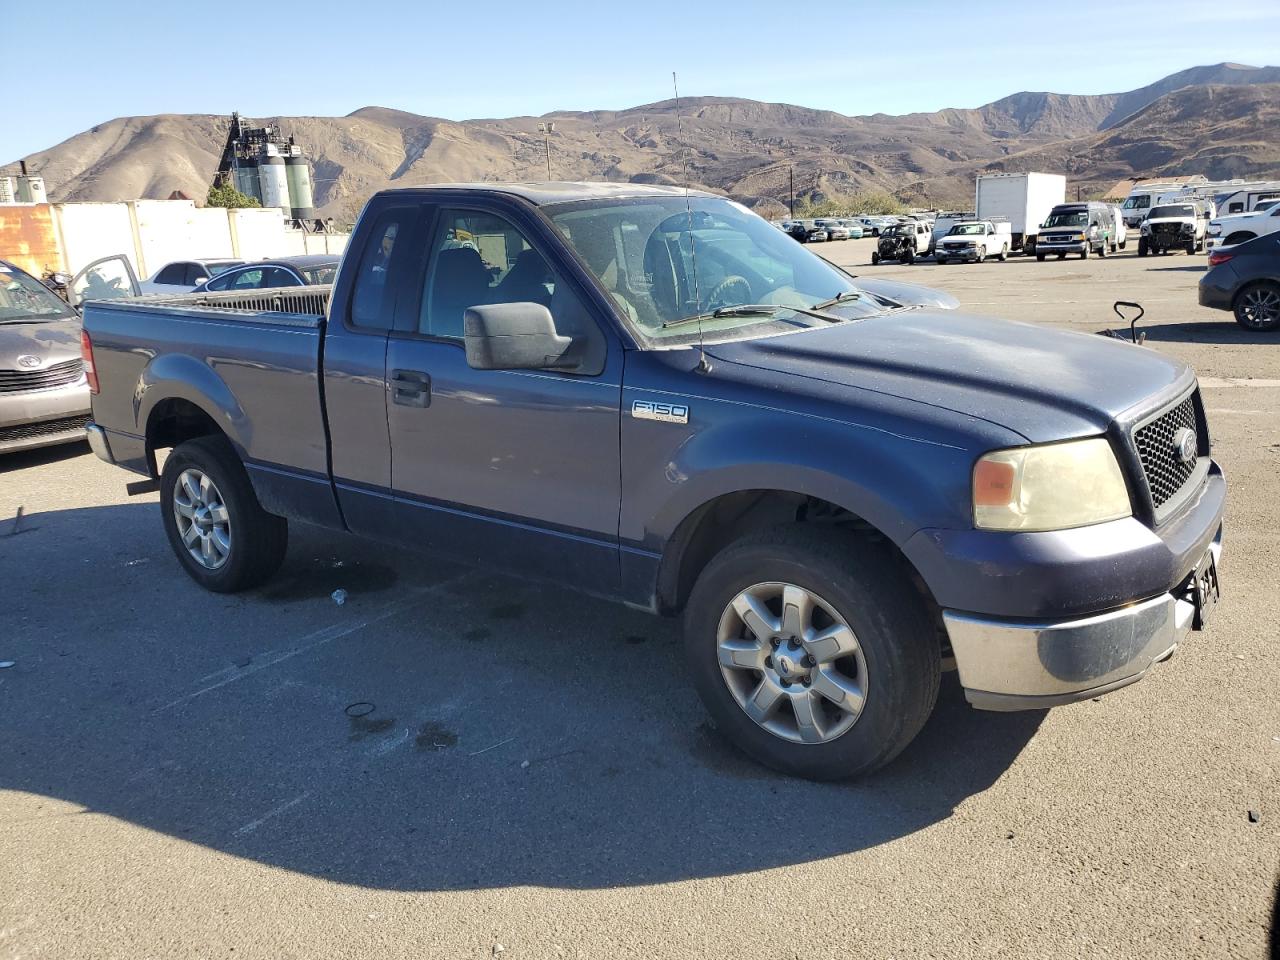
<point>255,373</point>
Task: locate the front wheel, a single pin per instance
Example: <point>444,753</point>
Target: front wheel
<point>1142,247</point>
<point>875,257</point>
<point>1257,307</point>
<point>1040,258</point>
<point>217,528</point>
<point>909,257</point>
<point>812,652</point>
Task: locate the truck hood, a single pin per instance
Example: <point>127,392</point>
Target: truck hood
<point>1154,220</point>
<point>1042,383</point>
<point>54,341</point>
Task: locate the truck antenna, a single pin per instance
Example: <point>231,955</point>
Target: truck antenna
<point>704,365</point>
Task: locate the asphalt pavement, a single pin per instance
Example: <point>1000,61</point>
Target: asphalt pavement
<point>455,764</point>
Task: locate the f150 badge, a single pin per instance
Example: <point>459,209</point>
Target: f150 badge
<point>657,410</point>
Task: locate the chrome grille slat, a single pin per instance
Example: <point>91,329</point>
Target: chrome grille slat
<point>55,375</point>
<point>1164,470</point>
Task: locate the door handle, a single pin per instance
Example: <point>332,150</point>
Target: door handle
<point>410,388</point>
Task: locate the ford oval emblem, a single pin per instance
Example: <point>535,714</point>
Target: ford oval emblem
<point>1184,442</point>
<point>29,362</point>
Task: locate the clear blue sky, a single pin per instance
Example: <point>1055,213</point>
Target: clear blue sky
<point>499,58</point>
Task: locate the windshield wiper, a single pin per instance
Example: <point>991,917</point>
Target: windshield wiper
<point>750,310</point>
<point>838,298</point>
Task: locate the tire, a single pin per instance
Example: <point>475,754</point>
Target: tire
<point>1084,254</point>
<point>909,257</point>
<point>896,658</point>
<point>1190,248</point>
<point>1102,250</point>
<point>1003,255</point>
<point>875,257</point>
<point>247,548</point>
<point>1143,247</point>
<point>1123,244</point>
<point>1257,307</point>
<point>1040,258</point>
<point>1115,247</point>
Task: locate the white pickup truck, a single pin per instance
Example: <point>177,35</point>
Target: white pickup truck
<point>974,241</point>
<point>1241,227</point>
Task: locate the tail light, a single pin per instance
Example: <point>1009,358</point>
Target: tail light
<point>1216,258</point>
<point>86,355</point>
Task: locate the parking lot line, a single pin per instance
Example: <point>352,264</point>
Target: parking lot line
<point>310,642</point>
<point>253,825</point>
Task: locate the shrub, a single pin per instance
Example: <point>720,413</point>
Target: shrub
<point>226,195</point>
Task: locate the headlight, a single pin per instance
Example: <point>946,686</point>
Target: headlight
<point>1052,487</point>
<point>1146,228</point>
<point>1215,229</point>
<point>1188,228</point>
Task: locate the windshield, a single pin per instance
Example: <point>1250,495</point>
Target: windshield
<point>901,230</point>
<point>1139,202</point>
<point>323,274</point>
<point>1071,218</point>
<point>660,272</point>
<point>967,230</point>
<point>1178,210</point>
<point>24,298</point>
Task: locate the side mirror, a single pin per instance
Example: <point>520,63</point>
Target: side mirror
<point>514,336</point>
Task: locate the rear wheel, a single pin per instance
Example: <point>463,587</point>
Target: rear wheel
<point>1257,306</point>
<point>1004,254</point>
<point>219,532</point>
<point>811,651</point>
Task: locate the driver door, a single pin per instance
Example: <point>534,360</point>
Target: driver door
<point>517,469</point>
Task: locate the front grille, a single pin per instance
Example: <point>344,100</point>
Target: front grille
<point>55,375</point>
<point>1164,469</point>
<point>44,428</point>
<point>1167,229</point>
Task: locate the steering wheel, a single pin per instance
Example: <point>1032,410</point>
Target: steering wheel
<point>717,298</point>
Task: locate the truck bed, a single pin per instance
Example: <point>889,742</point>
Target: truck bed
<point>251,361</point>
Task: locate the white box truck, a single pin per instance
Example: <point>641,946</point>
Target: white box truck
<point>1024,199</point>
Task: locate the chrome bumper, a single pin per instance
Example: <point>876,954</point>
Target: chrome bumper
<point>97,438</point>
<point>1021,665</point>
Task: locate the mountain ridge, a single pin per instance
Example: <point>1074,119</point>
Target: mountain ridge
<point>745,148</point>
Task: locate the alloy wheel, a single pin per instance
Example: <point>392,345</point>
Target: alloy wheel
<point>204,523</point>
<point>792,662</point>
<point>1260,308</point>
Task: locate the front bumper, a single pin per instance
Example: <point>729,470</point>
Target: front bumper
<point>42,418</point>
<point>1044,644</point>
<point>958,253</point>
<point>1051,248</point>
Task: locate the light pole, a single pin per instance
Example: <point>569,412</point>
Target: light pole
<point>546,129</point>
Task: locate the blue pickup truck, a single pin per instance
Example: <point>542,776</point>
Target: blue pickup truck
<point>843,486</point>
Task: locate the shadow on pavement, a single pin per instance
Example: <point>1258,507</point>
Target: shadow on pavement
<point>514,734</point>
<point>1198,331</point>
<point>42,456</point>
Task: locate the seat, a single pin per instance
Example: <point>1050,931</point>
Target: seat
<point>461,281</point>
<point>526,281</point>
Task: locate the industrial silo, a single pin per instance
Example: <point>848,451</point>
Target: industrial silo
<point>274,179</point>
<point>299,177</point>
<point>246,178</point>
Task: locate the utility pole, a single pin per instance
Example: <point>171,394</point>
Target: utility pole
<point>793,190</point>
<point>546,129</point>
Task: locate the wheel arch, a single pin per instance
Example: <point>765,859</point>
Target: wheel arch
<point>180,398</point>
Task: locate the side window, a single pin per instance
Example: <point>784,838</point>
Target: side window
<point>373,296</point>
<point>479,258</point>
<point>174,273</point>
<point>276,277</point>
<point>246,280</point>
<point>195,274</point>
<point>222,282</point>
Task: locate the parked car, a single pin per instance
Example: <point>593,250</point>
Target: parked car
<point>183,276</point>
<point>944,222</point>
<point>854,227</point>
<point>835,229</point>
<point>44,397</point>
<point>268,274</point>
<point>974,241</point>
<point>787,457</point>
<point>871,226</point>
<point>1243,227</point>
<point>1081,228</point>
<point>1174,225</point>
<point>1245,279</point>
<point>903,242</point>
